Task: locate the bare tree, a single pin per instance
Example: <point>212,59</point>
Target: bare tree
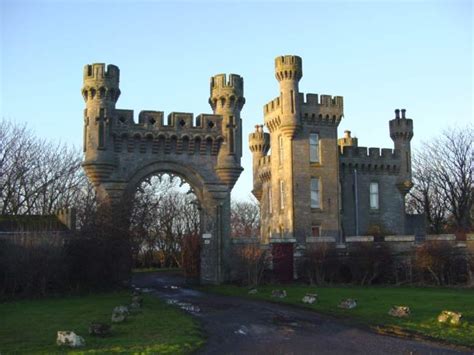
<point>444,180</point>
<point>245,218</point>
<point>164,214</point>
<point>36,176</point>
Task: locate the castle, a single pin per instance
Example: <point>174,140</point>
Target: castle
<point>315,187</point>
<point>312,187</point>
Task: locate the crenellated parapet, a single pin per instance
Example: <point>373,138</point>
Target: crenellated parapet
<point>265,168</point>
<point>323,109</point>
<point>101,82</point>
<point>180,134</point>
<point>112,138</point>
<point>259,141</point>
<point>373,160</point>
<point>227,92</point>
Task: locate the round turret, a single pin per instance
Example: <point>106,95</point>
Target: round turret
<point>288,71</point>
<point>401,128</point>
<point>227,95</point>
<point>100,83</point>
<point>227,100</point>
<point>259,141</point>
<point>401,132</point>
<point>100,92</point>
<point>288,67</point>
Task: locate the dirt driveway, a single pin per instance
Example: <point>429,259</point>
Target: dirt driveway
<point>239,326</point>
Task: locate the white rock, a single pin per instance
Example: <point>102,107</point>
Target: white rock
<point>348,303</point>
<point>310,298</point>
<point>69,338</point>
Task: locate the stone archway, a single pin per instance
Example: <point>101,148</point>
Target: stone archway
<point>205,151</point>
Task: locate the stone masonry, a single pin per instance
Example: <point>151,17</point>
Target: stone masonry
<point>205,151</point>
<point>315,187</point>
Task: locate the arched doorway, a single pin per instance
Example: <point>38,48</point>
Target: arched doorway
<point>165,224</point>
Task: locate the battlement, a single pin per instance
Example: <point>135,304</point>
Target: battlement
<point>259,141</point>
<point>175,121</point>
<point>265,161</point>
<point>232,81</point>
<point>373,153</point>
<point>288,67</point>
<point>321,100</point>
<point>271,106</point>
<point>383,160</point>
<point>98,71</point>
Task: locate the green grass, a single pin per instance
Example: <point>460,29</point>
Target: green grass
<point>30,327</point>
<point>374,303</point>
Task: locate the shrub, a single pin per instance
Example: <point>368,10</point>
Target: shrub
<point>248,263</point>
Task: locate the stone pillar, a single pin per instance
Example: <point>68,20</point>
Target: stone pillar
<point>215,235</point>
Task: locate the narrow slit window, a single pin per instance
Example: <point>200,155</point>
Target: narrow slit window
<point>314,147</point>
<point>374,195</point>
<point>315,193</point>
<point>270,208</point>
<point>280,150</point>
<point>282,194</point>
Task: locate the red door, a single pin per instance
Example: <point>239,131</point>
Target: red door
<point>282,254</point>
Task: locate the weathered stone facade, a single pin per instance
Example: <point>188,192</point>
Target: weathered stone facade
<point>206,152</point>
<point>314,186</point>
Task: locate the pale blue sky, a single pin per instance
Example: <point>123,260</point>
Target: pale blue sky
<point>379,55</point>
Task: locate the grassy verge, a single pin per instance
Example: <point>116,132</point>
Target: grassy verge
<point>30,327</point>
<point>374,303</point>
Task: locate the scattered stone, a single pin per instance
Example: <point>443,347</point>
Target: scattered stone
<point>452,318</point>
<point>136,292</point>
<point>310,298</point>
<point>99,329</point>
<point>348,303</point>
<point>185,306</point>
<point>399,311</point>
<point>136,304</point>
<point>118,318</point>
<point>121,310</point>
<point>279,293</point>
<point>253,291</point>
<point>119,314</point>
<point>70,339</point>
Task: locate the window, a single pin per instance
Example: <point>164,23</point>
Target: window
<point>282,194</point>
<point>280,150</point>
<point>270,207</point>
<point>315,231</point>
<point>374,195</point>
<point>314,147</point>
<point>315,193</point>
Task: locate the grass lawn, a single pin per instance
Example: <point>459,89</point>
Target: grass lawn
<point>29,327</point>
<point>374,303</point>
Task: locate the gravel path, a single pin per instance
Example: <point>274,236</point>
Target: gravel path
<point>239,326</point>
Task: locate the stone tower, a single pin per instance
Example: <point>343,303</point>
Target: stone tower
<point>401,132</point>
<point>227,100</point>
<point>100,92</point>
<point>304,160</point>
